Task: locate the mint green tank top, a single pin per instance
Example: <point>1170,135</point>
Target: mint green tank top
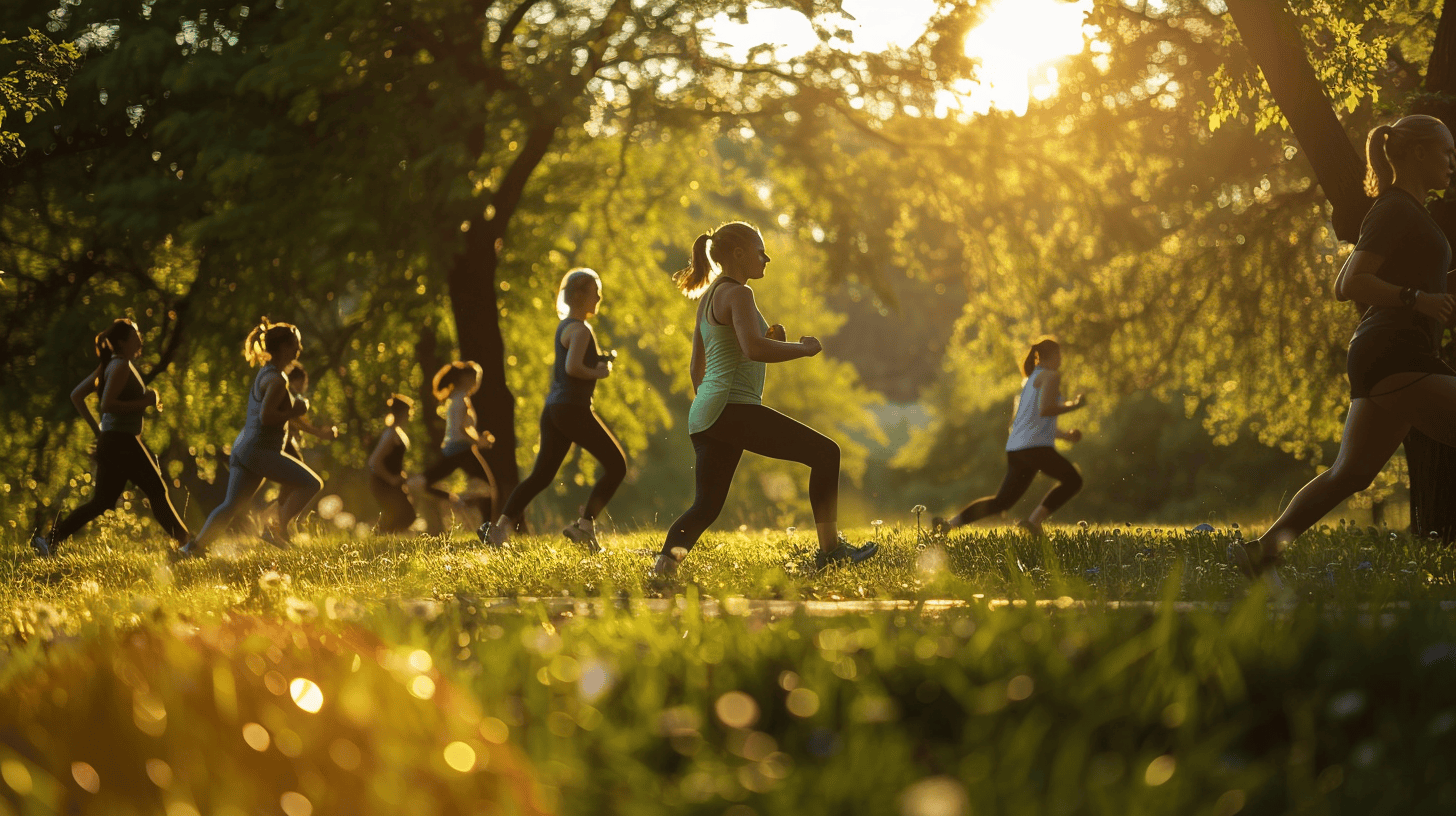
<point>729,376</point>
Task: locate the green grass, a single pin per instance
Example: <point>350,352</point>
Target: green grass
<point>120,672</point>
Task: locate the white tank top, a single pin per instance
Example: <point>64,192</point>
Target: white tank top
<point>1029,429</point>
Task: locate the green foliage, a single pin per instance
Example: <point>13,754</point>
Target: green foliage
<point>36,83</point>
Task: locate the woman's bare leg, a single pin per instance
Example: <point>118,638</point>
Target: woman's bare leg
<point>1372,435</point>
<point>1425,401</point>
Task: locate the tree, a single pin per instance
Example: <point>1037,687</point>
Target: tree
<point>36,84</point>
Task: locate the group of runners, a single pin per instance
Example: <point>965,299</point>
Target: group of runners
<point>1397,272</point>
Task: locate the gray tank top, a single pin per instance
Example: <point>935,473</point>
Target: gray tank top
<point>255,436</point>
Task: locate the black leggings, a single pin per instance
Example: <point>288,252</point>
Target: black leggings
<point>1021,467</point>
<point>470,461</point>
<point>766,432</point>
<point>121,457</point>
<point>561,425</point>
<point>397,512</point>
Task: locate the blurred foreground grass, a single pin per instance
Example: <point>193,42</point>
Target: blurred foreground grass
<point>367,676</point>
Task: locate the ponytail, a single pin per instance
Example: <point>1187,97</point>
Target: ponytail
<point>1039,349</point>
<point>710,251</point>
<point>1378,173</point>
<point>108,341</point>
<point>1388,144</point>
<point>693,280</point>
<point>397,404</point>
<point>266,338</point>
<point>446,379</point>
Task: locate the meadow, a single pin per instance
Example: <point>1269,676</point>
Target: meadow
<point>1103,670</point>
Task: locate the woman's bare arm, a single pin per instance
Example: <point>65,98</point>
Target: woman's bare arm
<point>1358,282</point>
<point>698,364</point>
<point>78,399</point>
<point>745,318</point>
<point>117,373</point>
<point>279,404</point>
<point>1051,404</point>
<point>577,339</point>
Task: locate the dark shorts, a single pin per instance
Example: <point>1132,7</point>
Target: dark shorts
<point>1376,355</point>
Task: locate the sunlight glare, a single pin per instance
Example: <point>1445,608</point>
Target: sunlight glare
<point>1015,44</point>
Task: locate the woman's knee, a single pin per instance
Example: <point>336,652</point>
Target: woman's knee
<point>1073,482</point>
<point>826,454</point>
<point>1349,479</point>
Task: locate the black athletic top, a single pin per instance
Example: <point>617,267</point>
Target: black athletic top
<point>1416,253</point>
<point>564,387</point>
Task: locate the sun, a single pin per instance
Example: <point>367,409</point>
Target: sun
<point>1016,44</point>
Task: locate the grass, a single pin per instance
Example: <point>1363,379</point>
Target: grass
<point>370,676</point>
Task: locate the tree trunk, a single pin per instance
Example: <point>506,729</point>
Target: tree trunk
<point>472,281</point>
<point>1270,32</point>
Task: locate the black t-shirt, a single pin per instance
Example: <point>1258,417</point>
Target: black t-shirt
<point>1416,253</point>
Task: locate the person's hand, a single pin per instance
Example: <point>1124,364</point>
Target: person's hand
<point>333,432</point>
<point>777,332</point>
<point>1078,400</point>
<point>811,345</point>
<point>300,406</point>
<point>485,441</point>
<point>604,368</point>
<point>1074,435</point>
<point>1440,307</point>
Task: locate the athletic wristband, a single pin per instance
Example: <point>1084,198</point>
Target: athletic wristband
<point>1408,295</point>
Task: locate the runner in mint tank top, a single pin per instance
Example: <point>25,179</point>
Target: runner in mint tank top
<point>1031,449</point>
<point>121,456</point>
<point>568,417</point>
<point>731,345</point>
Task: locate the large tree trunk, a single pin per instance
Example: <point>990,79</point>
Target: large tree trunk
<point>1270,32</point>
<point>472,281</point>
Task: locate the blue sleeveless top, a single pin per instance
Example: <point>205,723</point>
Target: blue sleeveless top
<point>1030,429</point>
<point>255,436</point>
<point>566,389</point>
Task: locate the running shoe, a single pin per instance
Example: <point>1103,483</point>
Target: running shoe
<point>845,553</point>
<point>276,536</point>
<point>939,526</point>
<point>491,536</point>
<point>586,538</point>
<point>1248,558</point>
<point>189,550</point>
<point>1031,527</point>
<point>41,546</point>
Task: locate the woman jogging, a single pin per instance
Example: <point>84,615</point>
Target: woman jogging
<point>1398,272</point>
<point>121,456</point>
<point>568,416</point>
<point>257,453</point>
<point>293,435</point>
<point>386,468</point>
<point>454,385</point>
<point>1031,448</point>
<point>732,344</point>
